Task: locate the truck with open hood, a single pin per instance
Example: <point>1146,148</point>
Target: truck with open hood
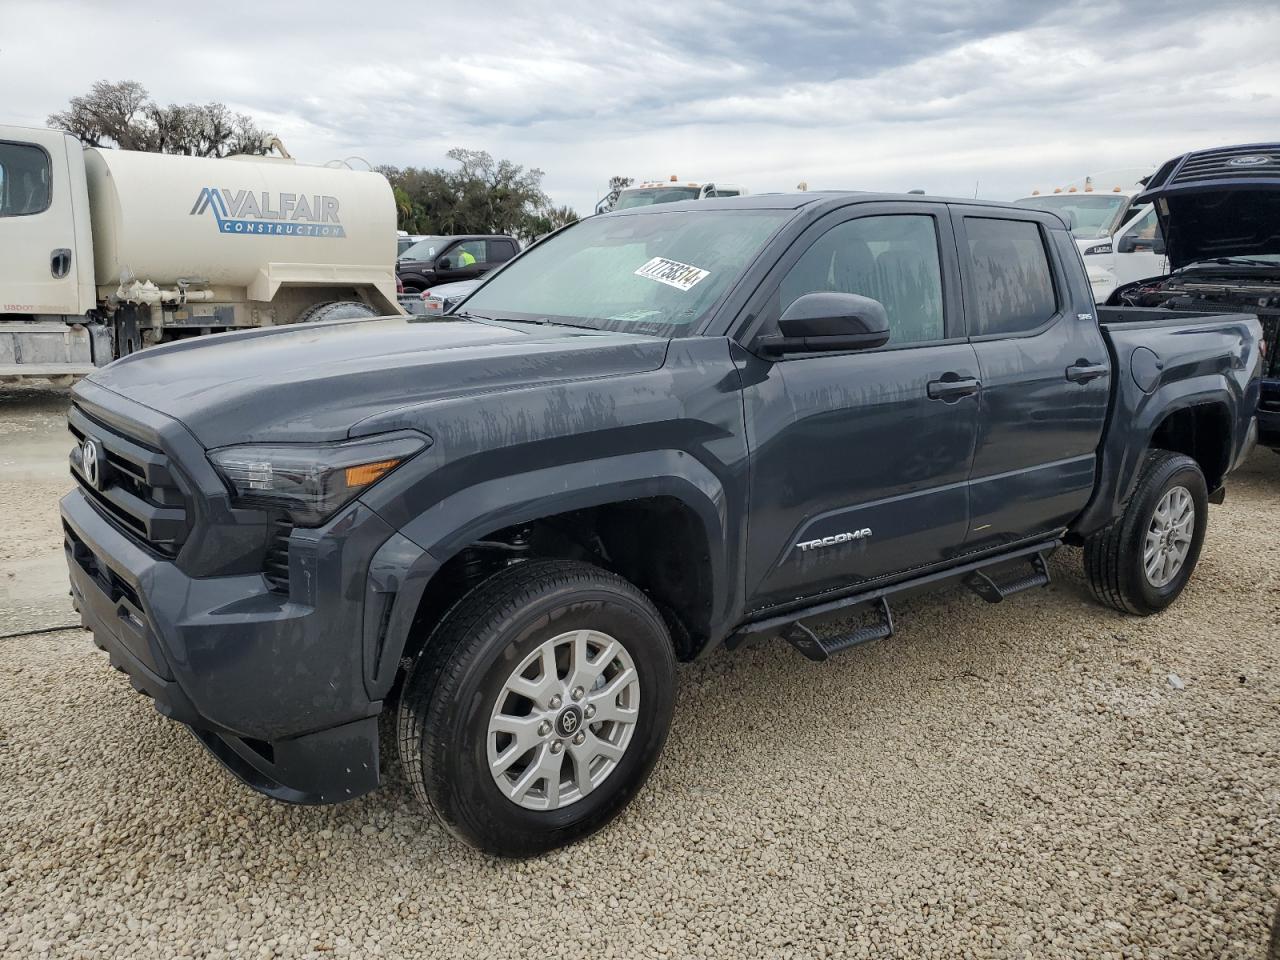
<point>1219,212</point>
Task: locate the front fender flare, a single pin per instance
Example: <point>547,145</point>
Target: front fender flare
<point>403,567</point>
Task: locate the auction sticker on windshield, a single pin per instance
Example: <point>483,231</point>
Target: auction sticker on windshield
<point>673,273</point>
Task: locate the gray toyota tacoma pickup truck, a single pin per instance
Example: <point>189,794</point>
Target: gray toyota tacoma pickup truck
<point>653,434</point>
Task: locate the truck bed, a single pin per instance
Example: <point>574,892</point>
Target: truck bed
<point>1163,361</point>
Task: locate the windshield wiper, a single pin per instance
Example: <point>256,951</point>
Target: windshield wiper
<point>1236,261</point>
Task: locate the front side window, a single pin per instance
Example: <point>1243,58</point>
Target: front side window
<point>1146,228</point>
<point>893,259</point>
<point>25,180</point>
<point>655,272</point>
<point>1009,278</point>
<point>468,253</point>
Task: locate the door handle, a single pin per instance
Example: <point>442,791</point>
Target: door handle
<point>1082,371</point>
<point>60,263</point>
<point>951,390</point>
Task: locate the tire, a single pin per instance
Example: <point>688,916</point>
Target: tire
<point>411,289</point>
<point>475,655</point>
<point>1114,559</point>
<point>336,310</point>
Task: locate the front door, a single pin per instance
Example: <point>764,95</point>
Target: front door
<point>1138,249</point>
<point>860,460</point>
<point>39,269</point>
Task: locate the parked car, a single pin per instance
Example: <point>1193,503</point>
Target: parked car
<point>435,260</point>
<point>442,298</point>
<point>1220,209</point>
<point>406,240</point>
<point>668,191</point>
<point>659,432</point>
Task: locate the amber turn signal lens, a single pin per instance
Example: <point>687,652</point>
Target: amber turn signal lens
<point>366,473</point>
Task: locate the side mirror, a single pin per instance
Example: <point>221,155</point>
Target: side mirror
<point>1132,244</point>
<point>444,263</point>
<point>822,322</point>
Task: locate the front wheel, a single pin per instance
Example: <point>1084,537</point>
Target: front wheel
<point>1142,560</point>
<point>539,706</point>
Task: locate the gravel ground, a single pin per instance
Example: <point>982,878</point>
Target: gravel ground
<point>34,443</point>
<point>1040,779</point>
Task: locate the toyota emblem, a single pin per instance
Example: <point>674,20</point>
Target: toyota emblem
<point>91,462</point>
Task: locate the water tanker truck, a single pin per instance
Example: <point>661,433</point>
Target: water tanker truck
<point>104,252</point>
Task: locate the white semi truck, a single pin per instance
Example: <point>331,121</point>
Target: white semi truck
<point>104,252</point>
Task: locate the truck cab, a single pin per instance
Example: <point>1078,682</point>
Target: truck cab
<point>1119,238</point>
<point>46,269</point>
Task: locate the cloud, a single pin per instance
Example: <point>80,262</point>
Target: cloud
<point>873,95</point>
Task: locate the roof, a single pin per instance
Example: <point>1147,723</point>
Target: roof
<point>796,201</point>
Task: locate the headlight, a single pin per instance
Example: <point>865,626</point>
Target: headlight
<point>1098,248</point>
<point>310,483</point>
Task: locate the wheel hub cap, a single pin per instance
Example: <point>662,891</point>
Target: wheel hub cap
<point>1168,539</point>
<point>563,720</point>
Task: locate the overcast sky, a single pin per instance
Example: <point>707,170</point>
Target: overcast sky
<point>889,95</point>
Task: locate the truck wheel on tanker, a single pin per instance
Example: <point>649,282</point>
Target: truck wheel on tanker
<point>538,707</point>
<point>336,310</point>
<point>1140,562</point>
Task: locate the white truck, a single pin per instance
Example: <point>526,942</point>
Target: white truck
<point>668,191</point>
<point>104,252</point>
<point>1120,240</point>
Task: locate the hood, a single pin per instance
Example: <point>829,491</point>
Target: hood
<point>314,382</point>
<point>1223,202</point>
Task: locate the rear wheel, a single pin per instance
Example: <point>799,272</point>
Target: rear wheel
<point>336,310</point>
<point>1141,561</point>
<point>539,706</point>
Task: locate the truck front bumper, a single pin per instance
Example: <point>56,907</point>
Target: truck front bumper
<point>273,687</point>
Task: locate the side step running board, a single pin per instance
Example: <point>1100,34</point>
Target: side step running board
<point>818,648</point>
<point>994,591</point>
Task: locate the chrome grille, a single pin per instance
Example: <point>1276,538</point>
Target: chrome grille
<point>135,485</point>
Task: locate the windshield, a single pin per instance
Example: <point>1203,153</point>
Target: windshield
<point>1088,215</point>
<point>424,249</point>
<point>652,273</point>
<point>651,195</point>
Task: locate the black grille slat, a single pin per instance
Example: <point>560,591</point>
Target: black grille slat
<point>136,487</point>
<point>275,565</point>
<point>1217,164</point>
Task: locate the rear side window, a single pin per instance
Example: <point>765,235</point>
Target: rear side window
<point>25,180</point>
<point>501,251</point>
<point>1009,277</point>
<point>893,259</point>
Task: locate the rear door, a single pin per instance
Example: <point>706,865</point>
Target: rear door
<point>1045,374</point>
<point>860,460</point>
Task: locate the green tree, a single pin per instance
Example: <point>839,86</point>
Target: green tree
<point>123,115</point>
<point>482,195</point>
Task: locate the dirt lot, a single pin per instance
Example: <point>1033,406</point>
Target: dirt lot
<point>1041,779</point>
